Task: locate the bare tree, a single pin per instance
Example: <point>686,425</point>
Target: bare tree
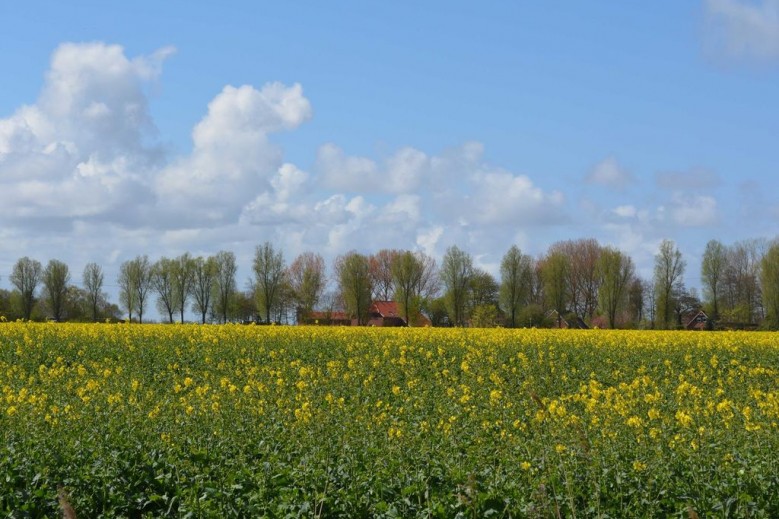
<point>669,269</point>
<point>139,275</point>
<point>163,282</point>
<point>183,280</point>
<point>225,282</point>
<point>741,285</point>
<point>381,272</point>
<point>25,276</point>
<point>56,277</point>
<point>127,296</point>
<point>204,276</point>
<point>93,284</point>
<point>268,275</point>
<point>582,277</point>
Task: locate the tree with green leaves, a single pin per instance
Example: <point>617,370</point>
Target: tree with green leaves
<point>307,280</point>
<point>616,272</point>
<point>515,281</point>
<point>269,272</point>
<point>355,284</point>
<point>669,269</point>
<point>769,281</point>
<point>554,274</point>
<point>456,273</point>
<point>713,269</point>
<point>25,276</point>
<point>92,279</point>
<point>56,277</point>
<point>484,292</point>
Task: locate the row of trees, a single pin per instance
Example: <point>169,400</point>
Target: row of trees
<point>575,281</point>
<point>58,299</point>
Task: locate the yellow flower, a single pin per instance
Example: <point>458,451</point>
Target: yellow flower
<point>684,419</point>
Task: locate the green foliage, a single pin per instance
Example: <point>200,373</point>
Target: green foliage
<point>456,275</point>
<point>485,316</point>
<point>769,278</point>
<point>355,285</point>
<point>515,281</point>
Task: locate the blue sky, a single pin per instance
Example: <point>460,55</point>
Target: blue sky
<point>163,127</point>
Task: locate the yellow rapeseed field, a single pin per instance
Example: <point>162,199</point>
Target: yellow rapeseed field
<point>170,420</point>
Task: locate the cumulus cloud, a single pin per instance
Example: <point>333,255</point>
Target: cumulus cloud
<point>346,173</point>
<point>81,151</point>
<point>406,171</point>
<point>232,160</point>
<point>504,198</point>
<point>744,30</point>
<point>609,173</point>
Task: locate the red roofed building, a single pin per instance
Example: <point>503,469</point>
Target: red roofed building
<point>380,313</point>
<point>384,313</point>
<point>387,313</point>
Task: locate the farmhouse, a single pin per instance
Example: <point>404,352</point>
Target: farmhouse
<point>380,313</point>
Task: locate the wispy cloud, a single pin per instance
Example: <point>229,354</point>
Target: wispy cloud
<point>741,29</point>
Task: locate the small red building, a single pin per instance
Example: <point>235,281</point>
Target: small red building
<point>380,313</point>
<point>697,321</point>
<point>385,313</point>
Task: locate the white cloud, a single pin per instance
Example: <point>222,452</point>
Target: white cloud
<point>407,170</point>
<point>404,211</point>
<point>610,173</point>
<point>344,173</point>
<point>693,210</point>
<point>625,211</point>
<point>80,151</point>
<point>428,238</point>
<point>232,161</point>
<point>504,198</point>
<point>741,29</point>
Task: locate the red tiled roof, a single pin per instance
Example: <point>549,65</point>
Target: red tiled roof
<point>385,308</point>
